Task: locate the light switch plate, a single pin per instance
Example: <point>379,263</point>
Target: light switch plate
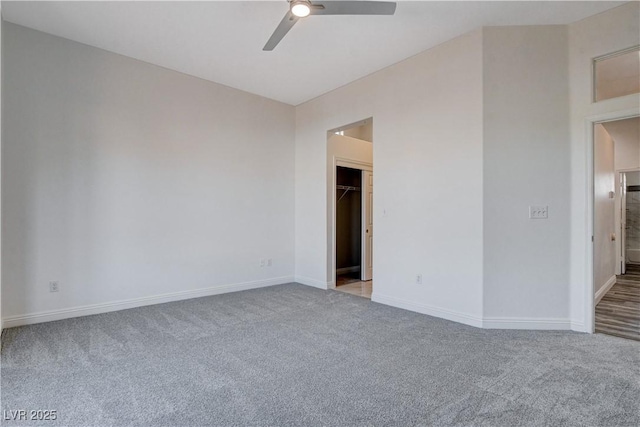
<point>538,212</point>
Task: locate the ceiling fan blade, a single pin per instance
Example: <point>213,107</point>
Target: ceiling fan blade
<point>283,28</point>
<point>354,8</point>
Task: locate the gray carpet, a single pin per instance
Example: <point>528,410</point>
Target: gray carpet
<point>294,355</point>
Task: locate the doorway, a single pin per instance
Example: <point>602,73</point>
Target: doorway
<point>354,231</point>
<point>350,208</point>
<point>616,227</point>
<point>629,223</point>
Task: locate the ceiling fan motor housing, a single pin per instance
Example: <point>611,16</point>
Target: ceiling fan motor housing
<point>300,8</point>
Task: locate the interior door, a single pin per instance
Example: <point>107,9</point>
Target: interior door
<point>623,222</point>
<point>367,224</point>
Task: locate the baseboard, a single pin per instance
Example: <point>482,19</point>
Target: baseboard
<point>577,326</point>
<point>427,309</point>
<point>549,324</point>
<point>87,310</point>
<point>347,270</point>
<point>486,323</point>
<point>311,282</point>
<point>604,289</point>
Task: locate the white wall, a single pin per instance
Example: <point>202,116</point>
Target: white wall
<point>124,180</point>
<point>521,96</point>
<point>604,208</point>
<point>364,132</point>
<point>606,32</point>
<point>103,157</point>
<point>428,179</point>
<point>626,134</point>
<point>526,157</point>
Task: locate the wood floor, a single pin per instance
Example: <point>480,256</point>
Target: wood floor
<point>618,312</point>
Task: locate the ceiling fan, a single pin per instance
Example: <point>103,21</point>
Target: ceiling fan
<point>303,8</point>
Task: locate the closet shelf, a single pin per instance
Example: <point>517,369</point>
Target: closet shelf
<point>346,189</point>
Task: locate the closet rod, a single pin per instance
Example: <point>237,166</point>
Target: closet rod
<point>346,189</point>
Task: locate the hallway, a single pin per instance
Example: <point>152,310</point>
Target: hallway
<point>618,313</point>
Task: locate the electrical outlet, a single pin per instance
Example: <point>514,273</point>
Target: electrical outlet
<point>419,279</point>
<point>538,212</point>
<point>269,262</point>
<point>54,286</point>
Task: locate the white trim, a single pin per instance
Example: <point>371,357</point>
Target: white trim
<point>366,226</point>
<point>485,323</point>
<point>427,309</point>
<point>349,126</point>
<point>589,289</point>
<point>577,326</point>
<point>353,164</point>
<point>628,170</point>
<point>347,270</point>
<point>526,323</point>
<point>311,282</point>
<point>589,313</point>
<point>87,310</point>
<point>605,288</point>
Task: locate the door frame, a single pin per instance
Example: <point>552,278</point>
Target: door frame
<point>364,232</point>
<point>589,289</point>
<point>346,163</point>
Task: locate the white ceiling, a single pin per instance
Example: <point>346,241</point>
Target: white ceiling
<point>222,41</point>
